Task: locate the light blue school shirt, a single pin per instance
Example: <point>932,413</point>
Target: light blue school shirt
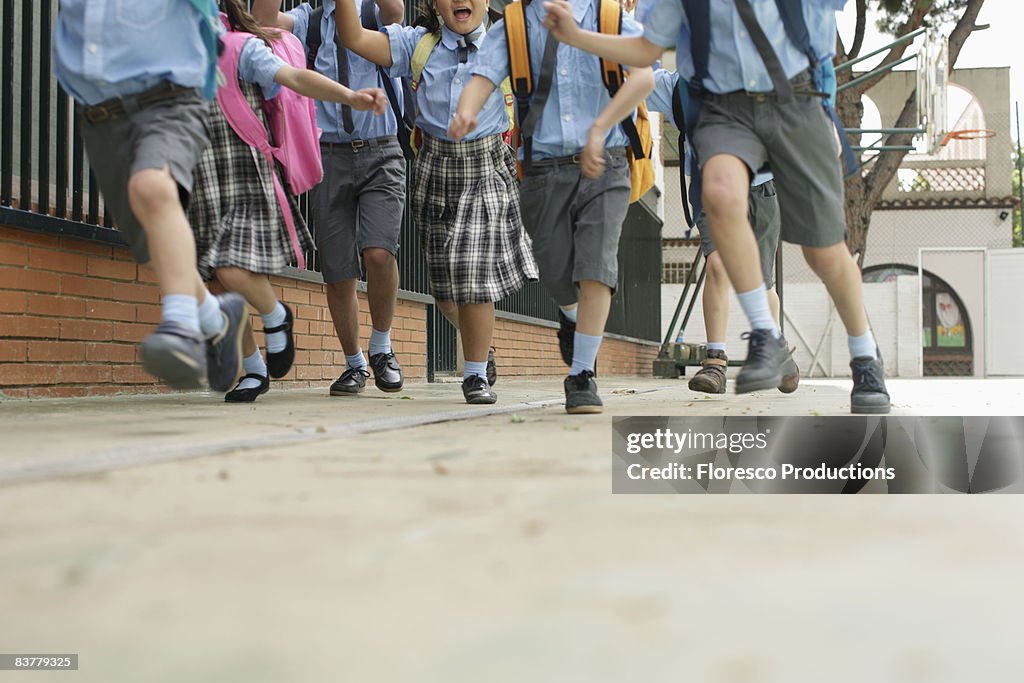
<point>733,61</point>
<point>660,100</point>
<point>257,64</point>
<point>115,48</point>
<point>577,94</point>
<point>362,74</point>
<point>442,81</point>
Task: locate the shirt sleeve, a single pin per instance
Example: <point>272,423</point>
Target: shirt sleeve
<point>404,40</point>
<point>258,64</point>
<point>300,15</point>
<point>492,57</point>
<point>662,22</point>
<point>660,99</point>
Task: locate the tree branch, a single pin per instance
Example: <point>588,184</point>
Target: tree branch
<point>858,33</point>
<point>914,21</point>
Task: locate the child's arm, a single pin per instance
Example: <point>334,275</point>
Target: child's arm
<point>312,84</point>
<point>474,97</point>
<point>629,50</point>
<point>373,46</point>
<point>638,86</point>
<point>268,13</point>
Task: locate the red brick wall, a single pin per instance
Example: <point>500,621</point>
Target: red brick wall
<point>72,314</point>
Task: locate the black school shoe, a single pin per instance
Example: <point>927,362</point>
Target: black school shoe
<point>477,391</point>
<point>387,373</point>
<point>869,395</point>
<point>492,368</point>
<point>581,394</point>
<point>278,364</point>
<point>250,394</point>
<point>224,350</point>
<point>351,382</point>
<point>766,356</point>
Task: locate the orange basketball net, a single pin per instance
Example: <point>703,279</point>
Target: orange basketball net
<point>968,134</point>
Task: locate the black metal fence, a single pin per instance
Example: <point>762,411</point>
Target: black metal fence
<point>46,185</point>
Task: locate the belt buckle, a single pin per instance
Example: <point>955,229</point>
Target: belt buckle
<point>97,114</point>
<point>357,144</point>
<point>575,159</point>
<point>760,97</point>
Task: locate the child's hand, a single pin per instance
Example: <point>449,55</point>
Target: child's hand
<point>560,21</point>
<point>461,126</point>
<point>369,99</point>
<point>592,157</point>
<point>629,5</point>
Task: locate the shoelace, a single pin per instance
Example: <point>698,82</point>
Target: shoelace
<point>383,361</point>
<point>758,343</point>
<point>866,377</point>
<point>350,373</point>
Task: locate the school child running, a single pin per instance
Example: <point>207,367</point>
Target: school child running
<point>670,98</point>
<point>240,230</point>
<point>142,75</point>
<point>760,101</point>
<point>359,204</point>
<point>466,199</point>
<point>576,188</point>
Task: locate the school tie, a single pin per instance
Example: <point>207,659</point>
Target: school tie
<point>783,88</point>
<point>346,111</point>
<point>465,49</point>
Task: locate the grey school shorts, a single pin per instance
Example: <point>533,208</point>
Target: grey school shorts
<point>763,212</point>
<point>170,133</point>
<point>359,203</point>
<point>798,140</point>
<point>575,224</point>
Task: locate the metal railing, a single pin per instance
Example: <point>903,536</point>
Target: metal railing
<point>46,185</point>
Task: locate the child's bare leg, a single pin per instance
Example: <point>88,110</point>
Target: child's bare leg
<point>726,186</point>
<point>344,306</point>
<point>381,294</point>
<point>842,279</point>
<point>593,306</point>
<point>449,310</point>
<point>154,200</point>
<point>477,329</point>
<point>255,287</point>
<point>773,303</point>
<point>716,299</point>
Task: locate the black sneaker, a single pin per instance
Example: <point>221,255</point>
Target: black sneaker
<point>387,373</point>
<point>175,354</point>
<point>790,373</point>
<point>566,337</point>
<point>492,368</point>
<point>477,391</point>
<point>766,356</point>
<point>710,379</point>
<point>581,394</point>
<point>869,394</point>
<point>351,382</point>
<point>224,350</point>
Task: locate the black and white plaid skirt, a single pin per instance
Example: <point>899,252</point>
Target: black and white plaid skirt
<point>233,210</point>
<point>466,205</point>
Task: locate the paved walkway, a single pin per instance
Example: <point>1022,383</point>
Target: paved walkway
<point>416,539</point>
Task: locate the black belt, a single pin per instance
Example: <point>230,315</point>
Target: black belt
<point>800,83</point>
<point>573,160</point>
<point>359,144</point>
<point>117,107</point>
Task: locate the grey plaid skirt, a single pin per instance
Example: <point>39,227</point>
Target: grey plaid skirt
<point>466,205</point>
<point>233,209</point>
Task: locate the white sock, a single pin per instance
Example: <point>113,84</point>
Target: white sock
<point>181,309</point>
<point>759,313</point>
<point>478,368</point>
<point>276,341</point>
<point>716,346</point>
<point>253,365</point>
<point>380,342</point>
<point>584,352</point>
<point>863,346</point>
<point>211,320</point>
<point>569,312</point>
<point>356,360</point>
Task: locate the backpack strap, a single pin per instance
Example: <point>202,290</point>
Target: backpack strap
<point>424,48</point>
<point>209,30</point>
<point>792,14</point>
<point>403,114</point>
<point>679,118</point>
<point>520,74</point>
<point>314,37</point>
<point>609,21</point>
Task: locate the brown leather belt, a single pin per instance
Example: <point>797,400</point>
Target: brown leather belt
<point>119,106</point>
<point>574,159</point>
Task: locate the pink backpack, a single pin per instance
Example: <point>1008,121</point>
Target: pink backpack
<point>292,121</point>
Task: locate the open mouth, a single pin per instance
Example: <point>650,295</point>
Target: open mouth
<point>463,13</point>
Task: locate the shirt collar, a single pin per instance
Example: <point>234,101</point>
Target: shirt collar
<point>579,9</point>
<point>450,38</point>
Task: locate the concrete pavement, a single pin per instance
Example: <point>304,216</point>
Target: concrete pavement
<point>399,539</point>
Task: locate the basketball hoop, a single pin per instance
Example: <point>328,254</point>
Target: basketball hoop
<point>968,134</point>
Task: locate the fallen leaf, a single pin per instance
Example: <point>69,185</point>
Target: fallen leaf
<point>408,398</point>
<point>320,429</point>
<point>624,391</point>
<point>223,475</point>
<point>439,468</point>
<point>517,419</point>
